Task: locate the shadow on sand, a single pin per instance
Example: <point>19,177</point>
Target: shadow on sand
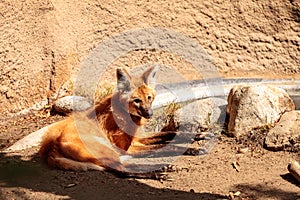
<point>262,191</point>
<point>31,175</point>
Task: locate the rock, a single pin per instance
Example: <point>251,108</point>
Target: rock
<point>69,104</point>
<point>254,106</point>
<point>202,113</point>
<point>243,150</point>
<point>294,169</point>
<point>285,133</point>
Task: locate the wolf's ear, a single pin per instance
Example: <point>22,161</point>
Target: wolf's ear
<point>123,80</point>
<point>149,76</point>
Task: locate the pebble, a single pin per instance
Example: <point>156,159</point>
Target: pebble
<point>243,150</point>
<point>294,169</point>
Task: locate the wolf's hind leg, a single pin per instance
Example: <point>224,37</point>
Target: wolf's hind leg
<point>89,152</point>
<point>69,164</point>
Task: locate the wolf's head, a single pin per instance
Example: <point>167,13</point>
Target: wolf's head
<point>137,93</point>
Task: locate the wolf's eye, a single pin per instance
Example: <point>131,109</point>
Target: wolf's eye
<point>136,100</point>
<point>149,98</point>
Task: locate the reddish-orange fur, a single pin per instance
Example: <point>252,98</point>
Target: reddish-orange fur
<point>95,139</point>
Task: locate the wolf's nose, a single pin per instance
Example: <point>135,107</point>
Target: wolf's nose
<point>147,113</point>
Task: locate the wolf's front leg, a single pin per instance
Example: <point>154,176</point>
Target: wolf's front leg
<point>164,142</point>
<point>158,138</point>
<point>155,141</point>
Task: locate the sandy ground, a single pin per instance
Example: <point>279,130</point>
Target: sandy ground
<point>256,174</point>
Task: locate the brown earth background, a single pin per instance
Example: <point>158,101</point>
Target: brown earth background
<point>44,42</point>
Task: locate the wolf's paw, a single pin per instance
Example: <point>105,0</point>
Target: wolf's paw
<point>169,168</point>
<point>155,175</point>
<point>161,176</point>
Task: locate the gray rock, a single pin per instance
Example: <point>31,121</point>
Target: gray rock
<point>254,106</point>
<point>203,113</point>
<point>286,132</point>
<point>69,104</point>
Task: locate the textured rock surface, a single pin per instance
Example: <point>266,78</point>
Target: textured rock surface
<point>255,106</point>
<point>286,133</point>
<point>202,113</point>
<point>68,104</point>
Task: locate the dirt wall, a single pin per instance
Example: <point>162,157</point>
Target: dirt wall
<point>43,42</point>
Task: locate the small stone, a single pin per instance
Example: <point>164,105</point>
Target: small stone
<point>236,166</point>
<point>294,169</point>
<point>70,185</point>
<point>231,195</point>
<point>238,193</point>
<point>242,150</point>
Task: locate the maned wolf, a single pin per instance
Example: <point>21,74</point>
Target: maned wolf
<point>102,137</point>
